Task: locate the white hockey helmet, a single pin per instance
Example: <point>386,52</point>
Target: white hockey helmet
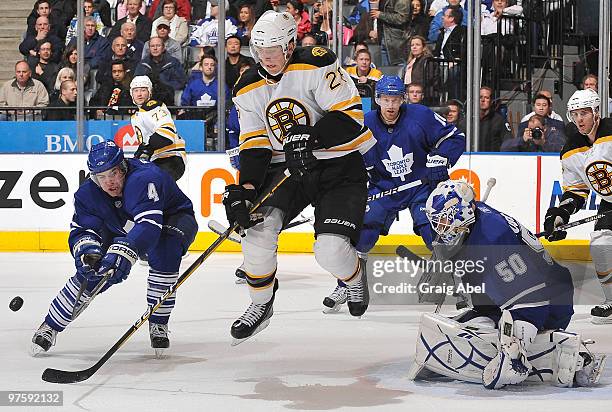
<point>141,81</point>
<point>450,209</point>
<point>582,99</point>
<point>273,29</point>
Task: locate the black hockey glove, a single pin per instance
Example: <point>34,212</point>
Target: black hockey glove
<point>555,217</point>
<point>437,169</point>
<point>237,201</point>
<point>298,146</point>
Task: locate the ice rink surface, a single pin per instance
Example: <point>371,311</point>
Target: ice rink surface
<point>304,360</point>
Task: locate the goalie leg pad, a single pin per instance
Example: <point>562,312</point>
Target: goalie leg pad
<point>259,247</point>
<point>566,358</point>
<point>335,254</point>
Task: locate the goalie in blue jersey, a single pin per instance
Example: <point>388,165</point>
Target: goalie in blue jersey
<point>127,207</point>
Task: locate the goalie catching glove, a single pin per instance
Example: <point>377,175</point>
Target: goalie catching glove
<point>119,258</point>
<point>298,147</point>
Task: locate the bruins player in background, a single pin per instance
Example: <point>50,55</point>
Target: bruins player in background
<point>298,109</point>
<point>156,131</point>
<point>586,161</point>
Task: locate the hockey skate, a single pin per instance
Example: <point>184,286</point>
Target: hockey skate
<point>358,293</point>
<point>334,301</point>
<point>43,339</point>
<point>602,314</point>
<point>255,319</point>
<point>240,276</point>
<point>159,338</point>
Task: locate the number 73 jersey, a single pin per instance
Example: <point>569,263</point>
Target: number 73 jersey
<point>312,84</point>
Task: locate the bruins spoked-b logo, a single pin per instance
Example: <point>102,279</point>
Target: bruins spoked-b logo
<point>284,113</point>
<point>600,176</point>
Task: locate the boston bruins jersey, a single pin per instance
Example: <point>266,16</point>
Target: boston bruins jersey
<point>374,74</point>
<point>312,85</point>
<point>588,166</point>
<point>156,132</point>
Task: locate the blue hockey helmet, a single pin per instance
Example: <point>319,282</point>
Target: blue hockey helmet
<point>390,86</point>
<point>450,209</point>
<point>104,156</point>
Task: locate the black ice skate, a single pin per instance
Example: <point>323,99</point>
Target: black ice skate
<point>240,276</point>
<point>43,339</point>
<point>255,319</point>
<point>358,293</point>
<point>159,338</point>
<point>602,314</point>
<point>334,301</point>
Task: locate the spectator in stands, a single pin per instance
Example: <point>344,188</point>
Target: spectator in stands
<point>201,90</point>
<point>162,68</point>
<point>246,21</point>
<point>65,10</point>
<point>23,91</point>
<point>537,137</point>
<point>135,47</point>
<point>122,9</point>
<point>415,93</point>
<point>419,68</point>
<point>418,24</point>
<point>173,47</point>
<point>142,22</point>
<point>55,26</point>
<point>177,25</point>
<point>363,73</point>
<point>392,22</point>
<point>309,40</point>
<point>551,113</point>
<point>206,34</point>
<point>452,45</point>
<point>42,67</point>
<point>351,60</point>
<point>494,129</point>
<point>89,10</point>
<point>322,17</point>
<point>437,24</point>
<point>30,43</point>
<point>69,59</point>
<point>542,105</point>
<point>66,103</point>
<point>102,7</point>
<point>234,60</point>
<point>455,114</point>
<point>183,9</point>
<point>96,46</point>
<point>65,73</point>
<point>119,52</point>
<point>113,91</point>
<point>302,19</point>
<point>590,81</point>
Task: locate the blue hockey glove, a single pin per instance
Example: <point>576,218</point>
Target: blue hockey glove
<point>298,146</point>
<point>437,169</point>
<point>237,200</point>
<point>119,257</point>
<point>87,252</point>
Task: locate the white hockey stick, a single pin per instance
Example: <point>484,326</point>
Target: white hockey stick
<point>490,183</point>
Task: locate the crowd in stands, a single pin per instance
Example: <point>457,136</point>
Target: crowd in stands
<point>174,42</point>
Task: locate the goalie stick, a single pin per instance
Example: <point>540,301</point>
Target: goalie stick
<point>62,376</point>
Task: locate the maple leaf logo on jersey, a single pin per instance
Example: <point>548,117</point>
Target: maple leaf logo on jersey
<point>398,164</point>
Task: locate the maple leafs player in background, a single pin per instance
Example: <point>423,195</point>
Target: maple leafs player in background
<point>412,142</point>
<point>126,207</point>
<point>518,277</point>
<point>156,131</point>
<point>298,109</point>
<point>586,161</point>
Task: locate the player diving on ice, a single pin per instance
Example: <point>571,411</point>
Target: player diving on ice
<point>126,207</point>
<point>298,109</point>
<point>525,293</point>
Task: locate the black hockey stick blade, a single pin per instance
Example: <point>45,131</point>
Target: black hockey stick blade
<point>61,376</point>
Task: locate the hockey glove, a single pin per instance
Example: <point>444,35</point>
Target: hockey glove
<point>437,169</point>
<point>87,252</point>
<point>298,146</point>
<point>555,217</point>
<point>237,200</point>
<point>119,257</point>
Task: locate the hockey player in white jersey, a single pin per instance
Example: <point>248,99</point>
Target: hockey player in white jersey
<point>156,131</point>
<point>586,161</point>
<point>298,109</point>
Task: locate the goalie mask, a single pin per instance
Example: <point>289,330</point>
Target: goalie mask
<point>450,209</point>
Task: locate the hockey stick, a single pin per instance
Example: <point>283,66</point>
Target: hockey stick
<point>397,189</point>
<point>61,376</point>
<point>79,309</point>
<point>490,183</point>
<point>578,222</point>
<point>90,260</point>
<point>219,228</point>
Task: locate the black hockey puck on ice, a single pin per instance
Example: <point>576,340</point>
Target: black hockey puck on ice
<point>16,303</point>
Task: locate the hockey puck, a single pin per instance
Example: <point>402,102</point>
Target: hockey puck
<point>16,303</point>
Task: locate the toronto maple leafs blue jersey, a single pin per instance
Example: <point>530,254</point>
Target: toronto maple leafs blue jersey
<point>400,153</point>
<point>150,197</point>
<point>515,269</point>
